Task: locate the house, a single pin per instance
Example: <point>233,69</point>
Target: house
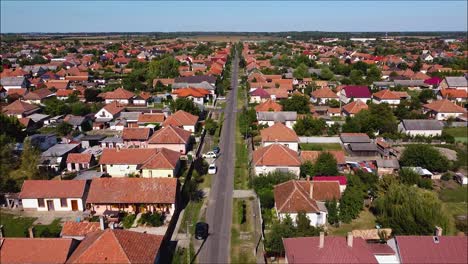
<point>386,96</point>
<point>341,180</point>
<point>55,157</point>
<point>362,149</point>
<point>53,195</point>
<point>306,196</point>
<point>361,93</point>
<point>133,195</point>
<point>148,162</point>
<point>79,123</point>
<point>117,246</point>
<point>259,95</point>
<point>91,140</point>
<point>171,137</point>
<point>203,85</point>
<point>163,82</point>
<point>120,96</point>
<point>443,109</point>
<point>15,250</point>
<point>431,249</point>
<point>312,155</point>
<point>142,99</point>
<point>150,120</point>
<point>269,105</point>
<point>280,134</point>
<point>270,118</point>
<point>136,137</point>
<point>387,166</point>
<point>454,95</point>
<point>78,230</point>
<point>79,161</point>
<point>43,141</point>
<point>109,112</point>
<point>323,95</point>
<point>198,95</point>
<point>58,84</point>
<point>275,157</point>
<point>14,82</point>
<point>112,142</point>
<point>328,249</point>
<point>347,138</point>
<point>196,79</point>
<point>20,109</point>
<point>183,120</point>
<point>452,82</point>
<point>128,119</point>
<point>353,108</point>
<point>63,94</point>
<point>421,127</point>
<point>37,96</point>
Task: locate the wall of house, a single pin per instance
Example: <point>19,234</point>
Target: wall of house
<point>387,259</point>
<point>445,116</point>
<point>175,147</point>
<point>289,124</point>
<point>101,208</point>
<point>121,170</point>
<point>33,204</point>
<point>139,102</point>
<point>267,169</point>
<point>189,128</point>
<point>315,219</point>
<point>103,114</point>
<point>161,173</point>
<point>292,145</point>
<point>390,102</point>
<point>122,101</point>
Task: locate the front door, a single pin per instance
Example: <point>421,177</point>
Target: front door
<point>50,205</point>
<point>74,204</point>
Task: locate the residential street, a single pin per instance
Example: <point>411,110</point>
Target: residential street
<point>219,212</point>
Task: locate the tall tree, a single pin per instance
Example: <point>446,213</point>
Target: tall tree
<point>325,165</point>
<point>301,72</point>
<point>425,156</point>
<point>30,159</point>
<point>297,103</point>
<point>185,104</point>
<point>310,126</point>
<point>167,67</point>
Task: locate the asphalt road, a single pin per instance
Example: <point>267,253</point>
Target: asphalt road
<point>219,212</point>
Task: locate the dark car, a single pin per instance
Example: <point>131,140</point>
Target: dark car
<point>216,150</point>
<point>201,230</point>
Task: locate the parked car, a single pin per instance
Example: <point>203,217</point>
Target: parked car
<point>212,169</point>
<point>209,154</point>
<point>216,149</point>
<point>201,230</point>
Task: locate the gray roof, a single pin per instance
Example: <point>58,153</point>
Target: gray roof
<point>75,120</point>
<point>92,137</point>
<point>129,116</point>
<point>35,68</point>
<point>195,79</point>
<point>59,150</point>
<point>316,71</point>
<point>422,124</point>
<point>410,82</point>
<point>456,81</point>
<point>112,140</point>
<point>204,85</point>
<point>383,84</point>
<point>277,116</point>
<point>363,147</point>
<point>88,175</point>
<point>12,81</point>
<point>38,117</point>
<point>388,163</point>
<point>355,138</point>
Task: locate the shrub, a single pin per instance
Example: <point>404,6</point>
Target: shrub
<point>446,176</point>
<point>128,220</point>
<point>153,219</point>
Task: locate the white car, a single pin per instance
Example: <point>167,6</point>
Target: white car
<point>209,154</point>
<point>212,169</point>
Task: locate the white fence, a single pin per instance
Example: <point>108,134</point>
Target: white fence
<point>319,140</point>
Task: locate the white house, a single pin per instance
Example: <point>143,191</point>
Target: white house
<point>53,195</point>
<point>120,96</point>
<point>275,157</point>
<point>421,127</point>
<point>386,96</point>
<point>183,120</point>
<point>270,118</point>
<point>443,109</point>
<point>171,137</point>
<point>109,112</point>
<point>280,134</point>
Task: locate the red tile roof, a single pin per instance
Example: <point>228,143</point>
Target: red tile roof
<point>79,158</point>
<point>181,118</point>
<point>151,118</point>
<point>35,250</point>
<point>52,189</point>
<point>269,105</point>
<point>340,179</point>
<point>312,155</point>
<point>193,92</point>
<point>114,108</point>
<point>423,249</point>
<point>260,92</point>
<point>38,94</point>
<point>117,246</point>
<point>163,159</point>
<point>275,155</point>
<point>278,132</point>
<point>324,93</point>
<point>119,93</point>
<point>444,106</point>
<point>170,135</point>
<point>335,250</point>
<point>355,107</point>
<point>386,95</point>
<point>136,133</point>
<point>454,93</point>
<point>126,156</point>
<point>132,190</point>
<point>71,228</point>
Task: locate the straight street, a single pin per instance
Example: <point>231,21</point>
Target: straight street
<point>219,212</point>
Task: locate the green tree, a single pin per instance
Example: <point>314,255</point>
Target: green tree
<point>310,126</point>
<point>64,129</point>
<point>378,118</point>
<point>263,186</point>
<point>301,72</point>
<point>332,208</point>
<point>425,156</point>
<point>7,164</point>
<point>211,126</point>
<point>426,95</point>
<point>307,169</point>
<point>11,127</point>
<point>30,159</point>
<point>409,210</point>
<point>297,103</point>
<point>325,165</point>
<point>80,109</point>
<point>167,67</point>
<point>356,77</point>
<point>326,74</point>
<point>185,104</point>
<point>55,107</point>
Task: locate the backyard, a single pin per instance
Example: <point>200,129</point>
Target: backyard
<point>366,220</point>
<point>17,226</point>
<point>459,133</point>
<point>242,232</point>
<point>320,146</point>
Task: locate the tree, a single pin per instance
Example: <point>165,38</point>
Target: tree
<point>301,72</point>
<point>263,186</point>
<point>409,176</point>
<point>325,165</point>
<point>30,159</point>
<point>64,129</point>
<point>326,74</point>
<point>351,202</point>
<point>409,210</point>
<point>356,77</point>
<point>297,103</point>
<point>80,109</point>
<point>310,126</point>
<point>307,169</point>
<point>426,95</point>
<point>246,119</point>
<point>11,127</point>
<point>185,104</point>
<point>167,67</point>
<point>378,118</point>
<point>7,164</point>
<point>424,156</point>
<point>332,208</point>
<point>333,103</point>
<point>55,107</point>
<point>211,126</point>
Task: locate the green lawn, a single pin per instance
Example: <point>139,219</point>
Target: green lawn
<point>191,213</point>
<point>241,170</point>
<point>459,133</point>
<point>17,226</point>
<point>366,220</point>
<point>320,146</point>
<point>242,249</point>
<point>457,195</point>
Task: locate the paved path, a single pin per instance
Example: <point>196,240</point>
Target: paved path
<point>219,211</point>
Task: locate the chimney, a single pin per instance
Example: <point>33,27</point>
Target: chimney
<point>311,190</point>
<point>31,232</point>
<point>438,231</point>
<point>1,231</point>
<point>322,239</point>
<point>349,239</point>
<point>101,223</point>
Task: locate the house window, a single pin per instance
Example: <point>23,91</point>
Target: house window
<point>63,202</point>
<point>40,202</point>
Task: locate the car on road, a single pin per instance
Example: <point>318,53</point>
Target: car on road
<point>212,169</point>
<point>201,230</point>
<point>210,155</point>
<point>216,150</point>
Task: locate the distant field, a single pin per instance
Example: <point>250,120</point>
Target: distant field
<point>459,133</point>
<point>320,146</point>
<point>221,38</point>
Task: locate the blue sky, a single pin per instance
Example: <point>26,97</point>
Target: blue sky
<point>147,16</point>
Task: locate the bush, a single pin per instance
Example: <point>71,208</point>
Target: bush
<point>128,220</point>
<point>153,219</point>
<point>446,176</point>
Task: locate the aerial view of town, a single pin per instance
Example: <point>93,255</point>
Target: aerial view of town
<point>185,132</point>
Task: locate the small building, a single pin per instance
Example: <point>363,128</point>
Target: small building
<point>171,137</point>
<point>443,109</point>
<point>20,109</point>
<point>361,93</point>
<point>78,230</point>
<point>275,157</point>
<point>112,142</point>
<point>53,195</point>
<point>80,161</point>
<point>421,127</point>
<point>55,157</point>
<point>183,120</point>
<point>363,149</point>
<point>270,118</point>
<point>347,138</point>
<point>387,166</point>
<point>281,134</point>
<point>91,140</point>
<point>136,137</point>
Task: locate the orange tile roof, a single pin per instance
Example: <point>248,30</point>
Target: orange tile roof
<point>278,92</point>
<point>453,93</point>
<point>58,84</point>
<point>119,93</point>
<point>312,155</point>
<point>170,135</point>
<point>117,246</point>
<point>444,106</point>
<point>386,95</point>
<point>275,155</point>
<point>193,92</point>
<point>269,105</point>
<point>18,91</point>
<point>63,93</point>
<point>324,93</point>
<point>52,189</point>
<point>355,107</point>
<point>163,159</point>
<point>35,250</point>
<point>126,156</point>
<point>136,133</point>
<point>151,118</point>
<point>278,132</point>
<point>114,108</point>
<point>181,118</point>
<point>79,157</point>
<point>72,228</point>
